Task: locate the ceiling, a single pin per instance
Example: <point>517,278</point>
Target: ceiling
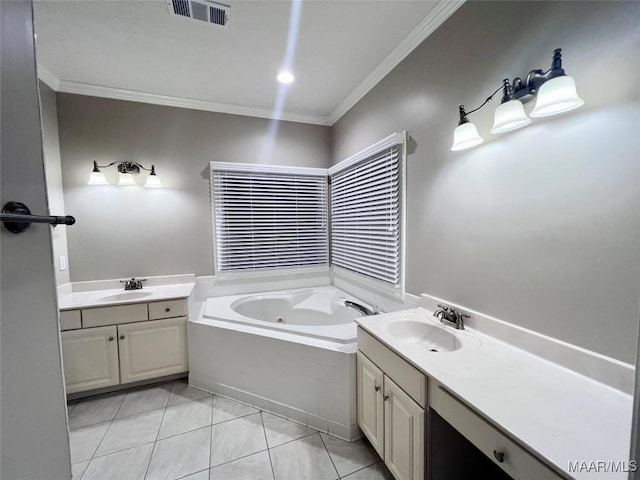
<point>136,50</point>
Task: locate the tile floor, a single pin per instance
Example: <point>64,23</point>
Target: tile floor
<point>172,431</point>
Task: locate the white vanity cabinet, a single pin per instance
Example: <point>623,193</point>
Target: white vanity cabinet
<point>120,344</point>
<point>90,358</point>
<point>391,401</point>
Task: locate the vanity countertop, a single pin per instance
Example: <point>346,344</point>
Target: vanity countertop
<point>109,297</point>
<point>560,415</point>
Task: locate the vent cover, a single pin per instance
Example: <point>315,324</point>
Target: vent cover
<point>202,10</point>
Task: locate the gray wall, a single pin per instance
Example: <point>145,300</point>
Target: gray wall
<point>53,173</point>
<point>127,231</point>
<point>538,227</point>
<point>34,441</point>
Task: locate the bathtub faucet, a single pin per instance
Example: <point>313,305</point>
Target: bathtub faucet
<point>361,308</point>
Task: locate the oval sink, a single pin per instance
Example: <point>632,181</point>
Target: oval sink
<point>433,337</point>
<point>118,297</point>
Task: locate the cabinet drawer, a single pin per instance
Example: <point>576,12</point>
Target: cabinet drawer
<point>516,461</point>
<point>409,378</point>
<point>97,317</point>
<point>70,320</point>
<point>168,309</point>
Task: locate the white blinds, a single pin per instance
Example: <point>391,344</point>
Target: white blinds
<point>269,220</point>
<point>365,216</point>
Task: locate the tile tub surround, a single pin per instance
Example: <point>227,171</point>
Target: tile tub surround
<point>309,385</point>
<point>102,292</point>
<point>558,414</point>
<point>206,437</point>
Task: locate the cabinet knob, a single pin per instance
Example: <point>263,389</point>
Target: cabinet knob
<point>385,398</point>
<point>111,339</point>
<point>121,337</point>
<point>377,388</point>
<point>167,309</point>
<point>499,456</point>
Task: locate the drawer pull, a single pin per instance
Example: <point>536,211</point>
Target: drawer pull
<point>111,339</point>
<point>167,309</point>
<point>499,456</point>
<point>385,398</point>
<point>121,337</point>
<point>376,388</point>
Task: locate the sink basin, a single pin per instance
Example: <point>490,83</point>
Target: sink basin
<point>125,296</point>
<point>432,337</point>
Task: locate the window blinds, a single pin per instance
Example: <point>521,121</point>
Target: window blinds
<point>365,216</point>
<point>269,220</point>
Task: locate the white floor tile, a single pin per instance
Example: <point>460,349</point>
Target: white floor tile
<point>225,409</point>
<point>129,464</point>
<point>280,430</point>
<point>203,475</point>
<point>95,410</point>
<point>84,441</point>
<point>131,432</point>
<point>182,392</point>
<point>374,472</point>
<point>253,467</point>
<point>77,469</point>
<point>237,438</point>
<point>303,459</point>
<point>144,400</point>
<point>349,457</point>
<point>185,417</point>
<point>181,455</point>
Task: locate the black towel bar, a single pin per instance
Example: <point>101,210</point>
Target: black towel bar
<point>17,217</point>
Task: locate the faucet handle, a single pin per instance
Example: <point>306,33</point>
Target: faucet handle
<point>445,308</point>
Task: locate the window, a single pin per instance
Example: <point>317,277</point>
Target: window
<point>366,212</point>
<point>269,217</point>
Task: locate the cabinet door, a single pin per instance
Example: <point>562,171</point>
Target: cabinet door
<point>90,358</point>
<point>404,434</point>
<point>369,397</point>
<point>152,349</point>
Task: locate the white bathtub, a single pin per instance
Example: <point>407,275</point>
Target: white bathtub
<point>302,367</point>
<point>317,313</point>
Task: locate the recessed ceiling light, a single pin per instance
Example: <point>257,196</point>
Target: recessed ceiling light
<point>285,76</point>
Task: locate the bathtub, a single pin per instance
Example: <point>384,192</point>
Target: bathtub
<point>289,352</point>
<point>313,313</point>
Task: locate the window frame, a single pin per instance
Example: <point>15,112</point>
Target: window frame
<point>365,281</point>
<point>266,169</point>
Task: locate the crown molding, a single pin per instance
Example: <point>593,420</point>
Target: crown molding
<point>79,88</point>
<point>426,27</point>
<point>47,77</point>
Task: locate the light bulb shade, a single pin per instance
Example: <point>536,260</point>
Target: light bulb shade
<point>153,181</point>
<point>97,178</point>
<point>126,180</point>
<point>465,136</point>
<point>509,116</point>
<point>556,96</point>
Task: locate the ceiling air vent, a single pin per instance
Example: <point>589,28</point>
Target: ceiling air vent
<point>202,10</point>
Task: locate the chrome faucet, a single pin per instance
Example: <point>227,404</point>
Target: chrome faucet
<point>133,284</point>
<point>449,316</point>
<point>361,308</point>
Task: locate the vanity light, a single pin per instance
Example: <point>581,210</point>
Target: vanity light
<point>97,177</point>
<point>127,171</point>
<point>555,91</point>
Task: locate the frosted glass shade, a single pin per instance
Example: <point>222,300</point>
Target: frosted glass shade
<point>97,178</point>
<point>509,116</point>
<point>465,136</point>
<point>153,181</point>
<point>126,180</point>
<point>556,96</point>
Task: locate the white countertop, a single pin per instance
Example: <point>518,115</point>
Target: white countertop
<point>558,414</point>
<point>103,298</point>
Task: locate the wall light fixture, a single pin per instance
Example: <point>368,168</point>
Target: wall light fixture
<point>555,93</point>
<point>127,171</point>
